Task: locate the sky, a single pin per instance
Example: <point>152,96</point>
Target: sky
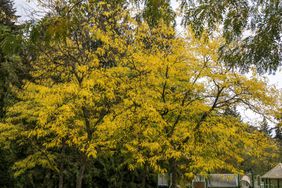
<point>24,10</point>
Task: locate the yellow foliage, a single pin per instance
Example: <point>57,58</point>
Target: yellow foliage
<point>156,98</point>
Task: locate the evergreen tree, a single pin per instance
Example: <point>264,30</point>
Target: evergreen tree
<point>264,127</point>
<point>278,127</point>
<point>7,12</point>
<point>278,133</point>
<point>232,111</point>
<point>7,18</point>
<point>12,72</point>
<point>12,57</point>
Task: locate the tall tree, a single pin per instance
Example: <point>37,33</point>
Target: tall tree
<point>12,56</point>
<point>15,55</point>
<point>278,132</point>
<point>7,19</point>
<point>10,76</point>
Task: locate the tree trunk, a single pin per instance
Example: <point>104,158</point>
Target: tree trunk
<point>144,178</point>
<point>80,174</point>
<point>61,173</point>
<point>47,182</point>
<point>173,173</point>
<point>2,103</point>
<point>61,179</point>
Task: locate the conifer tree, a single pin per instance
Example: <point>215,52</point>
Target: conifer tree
<point>7,12</point>
<point>264,127</point>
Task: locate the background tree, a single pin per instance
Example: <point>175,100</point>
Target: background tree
<point>278,133</point>
<point>12,70</point>
<point>264,127</point>
<point>7,19</point>
<point>154,11</point>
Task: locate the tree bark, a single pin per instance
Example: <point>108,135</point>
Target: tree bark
<point>2,102</point>
<point>61,178</point>
<point>47,183</point>
<point>80,174</point>
<point>61,173</point>
<point>173,173</point>
<point>144,175</point>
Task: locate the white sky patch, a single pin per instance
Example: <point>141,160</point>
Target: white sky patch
<point>276,79</point>
<point>27,10</point>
